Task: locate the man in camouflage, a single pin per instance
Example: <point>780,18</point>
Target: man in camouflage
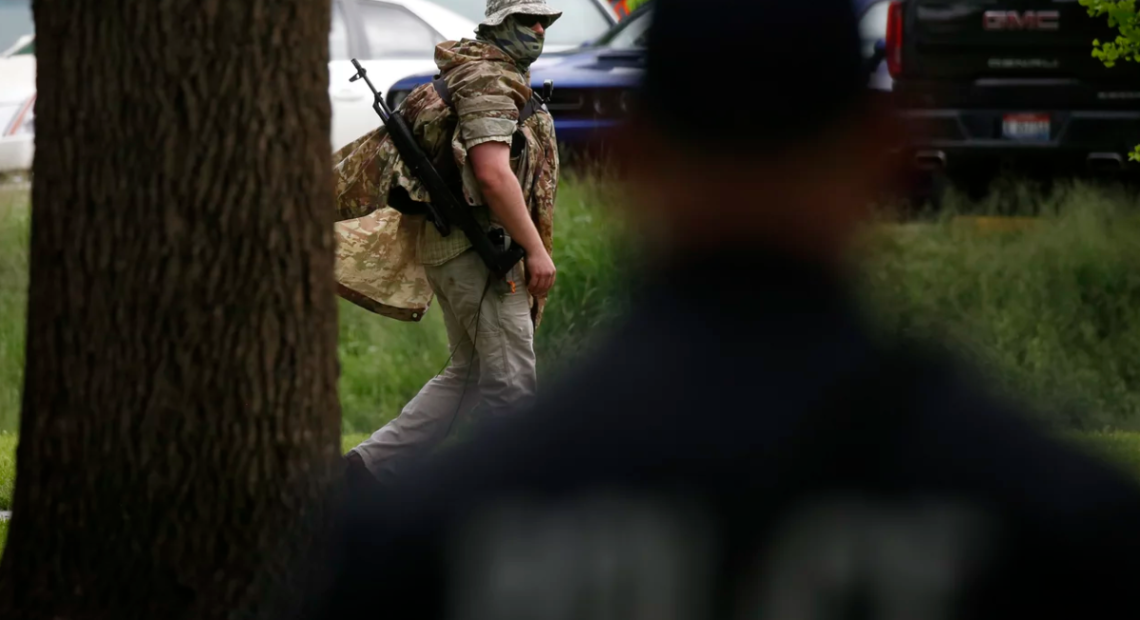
<point>394,264</point>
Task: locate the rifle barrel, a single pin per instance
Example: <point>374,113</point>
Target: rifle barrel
<point>381,106</point>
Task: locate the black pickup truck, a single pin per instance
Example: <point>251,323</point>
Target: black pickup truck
<point>987,86</point>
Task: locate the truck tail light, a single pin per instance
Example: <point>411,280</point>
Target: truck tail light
<point>894,44</point>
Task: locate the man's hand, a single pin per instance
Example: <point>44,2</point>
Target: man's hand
<point>491,162</point>
<point>540,271</point>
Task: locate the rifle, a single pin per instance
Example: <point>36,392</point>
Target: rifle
<point>445,208</point>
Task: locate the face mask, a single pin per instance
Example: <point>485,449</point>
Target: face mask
<point>517,40</point>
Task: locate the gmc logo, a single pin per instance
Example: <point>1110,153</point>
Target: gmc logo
<point>1025,20</point>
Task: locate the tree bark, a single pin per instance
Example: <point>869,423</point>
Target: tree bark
<point>180,423</point>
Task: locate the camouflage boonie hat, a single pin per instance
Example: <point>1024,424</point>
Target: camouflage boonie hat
<point>500,10</point>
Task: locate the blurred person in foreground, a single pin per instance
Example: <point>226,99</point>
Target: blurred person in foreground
<point>742,447</point>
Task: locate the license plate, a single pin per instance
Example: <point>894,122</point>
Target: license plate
<point>1027,127</point>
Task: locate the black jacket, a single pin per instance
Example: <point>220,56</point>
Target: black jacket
<point>730,449</point>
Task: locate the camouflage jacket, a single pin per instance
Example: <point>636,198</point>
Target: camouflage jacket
<point>377,266</point>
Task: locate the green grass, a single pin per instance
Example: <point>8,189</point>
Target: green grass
<point>7,469</point>
<point>1051,312</point>
<point>14,228</point>
<point>384,363</point>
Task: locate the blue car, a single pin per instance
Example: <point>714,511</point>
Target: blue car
<point>593,84</point>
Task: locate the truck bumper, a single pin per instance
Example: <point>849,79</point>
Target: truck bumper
<point>948,137</point>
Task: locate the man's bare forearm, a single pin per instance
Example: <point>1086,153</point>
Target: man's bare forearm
<point>505,198</point>
<point>492,164</point>
<point>500,188</point>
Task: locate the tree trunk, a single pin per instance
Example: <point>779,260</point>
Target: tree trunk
<point>180,422</point>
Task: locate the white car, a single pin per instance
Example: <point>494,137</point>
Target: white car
<point>390,38</point>
<point>17,134</point>
<point>17,106</point>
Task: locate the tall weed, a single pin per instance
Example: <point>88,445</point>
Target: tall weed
<point>1051,309</point>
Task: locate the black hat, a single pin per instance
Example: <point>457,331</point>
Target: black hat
<point>742,75</point>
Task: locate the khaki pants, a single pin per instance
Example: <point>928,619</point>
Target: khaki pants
<point>498,356</point>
